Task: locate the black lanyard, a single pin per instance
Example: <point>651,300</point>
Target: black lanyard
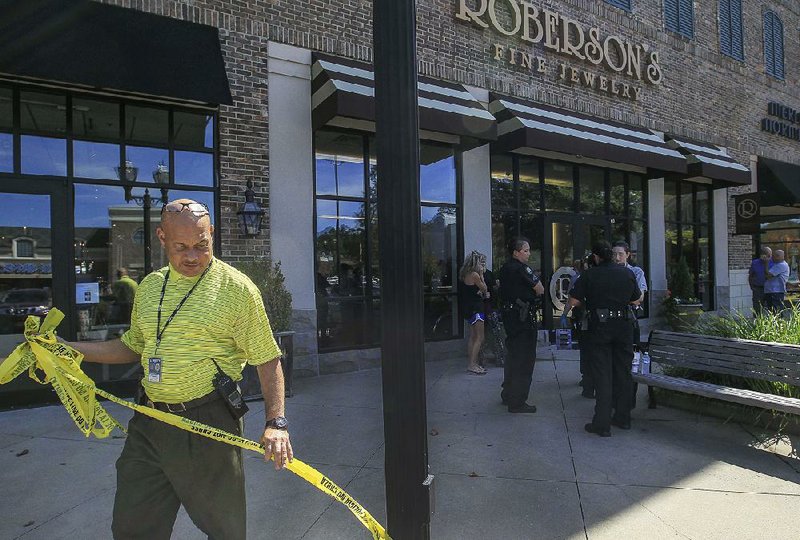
<point>160,331</point>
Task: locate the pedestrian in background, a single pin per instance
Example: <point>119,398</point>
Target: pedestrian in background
<point>520,289</point>
<point>471,292</point>
<point>775,285</point>
<point>757,277</point>
<point>605,291</point>
<point>580,327</point>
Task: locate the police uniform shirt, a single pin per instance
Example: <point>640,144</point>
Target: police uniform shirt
<point>223,319</point>
<point>517,281</point>
<point>608,286</point>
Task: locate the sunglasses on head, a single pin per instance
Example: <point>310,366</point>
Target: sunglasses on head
<point>196,208</point>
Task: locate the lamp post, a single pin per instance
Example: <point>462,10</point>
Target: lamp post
<point>129,173</point>
<point>408,483</point>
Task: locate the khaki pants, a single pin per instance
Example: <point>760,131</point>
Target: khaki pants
<point>162,467</point>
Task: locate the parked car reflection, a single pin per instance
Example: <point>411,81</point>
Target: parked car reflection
<point>18,304</point>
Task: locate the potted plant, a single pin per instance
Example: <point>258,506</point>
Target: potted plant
<point>269,279</point>
<point>681,308</point>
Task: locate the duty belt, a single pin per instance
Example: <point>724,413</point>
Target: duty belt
<point>182,406</point>
<point>607,314</point>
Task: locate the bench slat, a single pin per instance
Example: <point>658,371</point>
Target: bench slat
<point>736,395</point>
<point>779,351</point>
<point>721,363</point>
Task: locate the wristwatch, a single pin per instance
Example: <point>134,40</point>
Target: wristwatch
<point>279,422</point>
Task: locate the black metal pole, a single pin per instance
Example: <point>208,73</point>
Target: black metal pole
<point>146,203</point>
<point>402,345</point>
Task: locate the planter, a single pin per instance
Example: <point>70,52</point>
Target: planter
<point>684,317</point>
<point>250,384</point>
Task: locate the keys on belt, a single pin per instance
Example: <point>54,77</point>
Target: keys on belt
<point>607,314</point>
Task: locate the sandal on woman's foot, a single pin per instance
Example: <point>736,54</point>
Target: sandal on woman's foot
<point>476,371</point>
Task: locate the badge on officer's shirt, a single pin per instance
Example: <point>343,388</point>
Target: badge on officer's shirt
<point>154,369</point>
<point>528,269</point>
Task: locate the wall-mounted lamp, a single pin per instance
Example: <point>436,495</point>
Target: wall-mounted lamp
<point>251,214</point>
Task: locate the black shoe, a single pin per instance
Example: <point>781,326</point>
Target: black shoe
<point>620,424</point>
<point>589,394</point>
<point>591,429</point>
<point>524,408</point>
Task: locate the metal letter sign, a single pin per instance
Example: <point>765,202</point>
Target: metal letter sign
<point>748,213</point>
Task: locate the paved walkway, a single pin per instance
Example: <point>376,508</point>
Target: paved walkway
<point>498,475</point>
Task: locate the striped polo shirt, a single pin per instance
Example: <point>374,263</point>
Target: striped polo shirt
<point>223,319</point>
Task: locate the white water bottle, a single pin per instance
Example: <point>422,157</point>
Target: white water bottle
<point>635,363</point>
<point>645,363</point>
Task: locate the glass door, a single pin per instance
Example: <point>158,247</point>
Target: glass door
<point>568,239</point>
<point>33,273</point>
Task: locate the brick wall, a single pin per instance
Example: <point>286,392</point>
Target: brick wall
<point>705,95</point>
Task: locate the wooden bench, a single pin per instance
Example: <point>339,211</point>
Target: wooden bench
<point>737,357</point>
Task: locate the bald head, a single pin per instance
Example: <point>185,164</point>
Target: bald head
<point>778,255</point>
<point>186,235</point>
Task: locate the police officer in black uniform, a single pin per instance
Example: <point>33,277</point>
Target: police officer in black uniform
<point>605,291</point>
<point>520,290</point>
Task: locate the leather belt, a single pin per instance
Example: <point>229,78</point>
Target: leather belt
<point>184,405</point>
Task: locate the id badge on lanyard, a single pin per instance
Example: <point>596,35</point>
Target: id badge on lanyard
<point>154,369</point>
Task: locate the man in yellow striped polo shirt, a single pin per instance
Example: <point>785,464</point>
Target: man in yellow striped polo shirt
<point>192,322</point>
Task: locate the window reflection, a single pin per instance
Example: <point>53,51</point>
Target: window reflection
<point>6,108</point>
<point>25,264</point>
<point>558,186</point>
<point>617,192</point>
<point>148,161</point>
<point>95,160</point>
<point>95,119</point>
<point>339,164</point>
<point>192,129</point>
<point>194,168</point>
<point>6,152</point>
<point>593,190</point>
<point>530,189</point>
<point>502,182</point>
<point>43,112</point>
<point>146,124</point>
<point>43,155</point>
<point>439,248</point>
<point>437,174</point>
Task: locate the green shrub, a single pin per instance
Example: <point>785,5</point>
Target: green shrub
<point>766,326</point>
<point>270,281</point>
<point>681,282</point>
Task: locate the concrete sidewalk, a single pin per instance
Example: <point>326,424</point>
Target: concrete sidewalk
<point>498,475</point>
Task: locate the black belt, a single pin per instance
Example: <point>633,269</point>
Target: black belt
<point>606,314</point>
<point>182,406</point>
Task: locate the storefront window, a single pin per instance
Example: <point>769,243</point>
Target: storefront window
<point>146,124</point>
<point>43,155</point>
<point>147,161</point>
<point>6,152</point>
<point>43,113</point>
<point>95,160</point>
<point>688,235</point>
<point>346,250</point>
<point>95,119</point>
<point>6,108</point>
<point>194,130</point>
<point>612,205</point>
<point>194,168</point>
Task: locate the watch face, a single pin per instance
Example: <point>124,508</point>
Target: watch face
<point>279,423</point>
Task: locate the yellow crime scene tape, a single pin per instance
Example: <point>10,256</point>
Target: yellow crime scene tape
<point>61,366</point>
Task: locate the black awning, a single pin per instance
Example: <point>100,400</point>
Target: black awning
<point>778,182</point>
<point>107,47</point>
<point>344,90</point>
<point>524,125</point>
<point>710,161</point>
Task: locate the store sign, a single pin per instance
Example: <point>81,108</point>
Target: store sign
<point>633,62</point>
<point>784,121</point>
<point>748,213</point>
